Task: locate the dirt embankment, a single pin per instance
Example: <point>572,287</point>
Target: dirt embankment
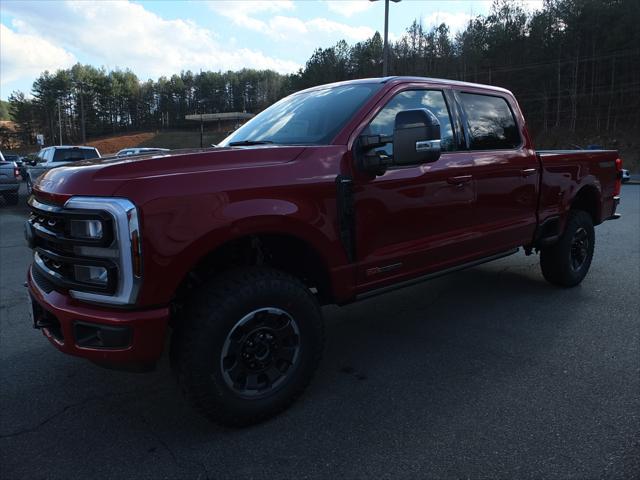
<point>113,144</point>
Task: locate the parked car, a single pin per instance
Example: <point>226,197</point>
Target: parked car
<point>13,157</point>
<point>9,180</point>
<point>127,152</point>
<point>331,195</point>
<point>54,157</point>
<point>626,176</point>
<point>19,161</point>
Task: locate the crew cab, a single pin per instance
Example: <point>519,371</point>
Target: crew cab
<point>57,156</point>
<point>331,195</point>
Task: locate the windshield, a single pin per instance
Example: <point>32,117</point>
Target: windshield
<point>313,117</point>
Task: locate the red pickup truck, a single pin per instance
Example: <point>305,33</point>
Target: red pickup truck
<point>331,195</point>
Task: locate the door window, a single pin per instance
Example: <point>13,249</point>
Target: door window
<point>432,100</point>
<point>490,122</point>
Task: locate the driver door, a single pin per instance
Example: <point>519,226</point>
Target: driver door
<point>414,219</point>
<point>41,166</point>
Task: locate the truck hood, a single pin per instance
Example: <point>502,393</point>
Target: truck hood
<point>103,177</point>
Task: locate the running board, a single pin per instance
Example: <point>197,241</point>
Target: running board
<point>430,276</point>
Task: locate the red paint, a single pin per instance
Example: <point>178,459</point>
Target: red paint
<point>466,205</point>
<point>149,327</point>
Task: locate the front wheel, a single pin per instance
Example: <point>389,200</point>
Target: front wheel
<point>567,262</point>
<point>248,345</point>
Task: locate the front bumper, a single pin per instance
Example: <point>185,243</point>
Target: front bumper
<point>138,336</point>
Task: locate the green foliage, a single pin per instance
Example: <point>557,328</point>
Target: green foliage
<point>4,110</point>
<point>573,65</point>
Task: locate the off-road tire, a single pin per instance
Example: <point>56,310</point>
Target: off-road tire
<point>211,315</point>
<point>556,260</point>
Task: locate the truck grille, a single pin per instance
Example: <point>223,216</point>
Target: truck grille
<point>62,260</point>
<point>42,281</point>
<point>90,248</point>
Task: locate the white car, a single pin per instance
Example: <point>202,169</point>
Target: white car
<point>126,152</point>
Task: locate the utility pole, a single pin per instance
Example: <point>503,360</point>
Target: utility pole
<point>385,51</point>
<point>59,125</point>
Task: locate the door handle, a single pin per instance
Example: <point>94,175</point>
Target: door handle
<point>460,180</point>
<point>529,171</point>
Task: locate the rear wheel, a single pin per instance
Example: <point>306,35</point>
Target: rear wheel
<point>567,262</point>
<point>248,345</point>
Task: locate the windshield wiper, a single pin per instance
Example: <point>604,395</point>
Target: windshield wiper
<point>249,143</point>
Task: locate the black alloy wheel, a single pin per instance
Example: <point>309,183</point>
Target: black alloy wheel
<point>259,352</point>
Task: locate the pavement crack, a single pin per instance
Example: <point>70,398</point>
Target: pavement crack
<point>159,439</point>
<point>168,448</point>
<point>65,409</point>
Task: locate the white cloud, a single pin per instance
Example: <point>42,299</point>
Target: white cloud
<point>347,32</point>
<point>348,8</point>
<point>126,35</point>
<point>23,55</point>
<point>236,7</point>
<point>281,27</point>
<point>455,21</point>
<point>241,12</point>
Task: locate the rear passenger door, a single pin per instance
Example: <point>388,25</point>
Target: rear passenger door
<point>505,171</point>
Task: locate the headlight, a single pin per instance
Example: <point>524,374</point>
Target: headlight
<point>125,251</point>
<point>86,229</point>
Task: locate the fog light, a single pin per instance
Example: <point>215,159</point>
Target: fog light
<point>86,229</point>
<point>91,274</point>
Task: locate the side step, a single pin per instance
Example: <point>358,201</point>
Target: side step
<point>430,276</point>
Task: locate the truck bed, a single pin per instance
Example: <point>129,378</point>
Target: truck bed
<point>566,172</point>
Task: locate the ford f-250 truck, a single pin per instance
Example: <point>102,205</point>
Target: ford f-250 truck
<point>332,194</point>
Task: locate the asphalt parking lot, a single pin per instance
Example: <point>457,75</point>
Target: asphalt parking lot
<point>490,372</point>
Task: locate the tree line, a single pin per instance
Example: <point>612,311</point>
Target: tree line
<point>573,65</point>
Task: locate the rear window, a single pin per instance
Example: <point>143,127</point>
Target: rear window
<point>491,122</point>
<point>74,154</point>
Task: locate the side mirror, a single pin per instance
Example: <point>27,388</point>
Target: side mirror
<point>416,137</point>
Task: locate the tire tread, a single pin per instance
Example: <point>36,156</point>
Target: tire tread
<point>209,304</point>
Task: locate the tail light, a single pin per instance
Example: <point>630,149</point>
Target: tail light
<point>16,172</point>
<point>618,185</point>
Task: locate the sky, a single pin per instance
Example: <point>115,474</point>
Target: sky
<point>162,37</point>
